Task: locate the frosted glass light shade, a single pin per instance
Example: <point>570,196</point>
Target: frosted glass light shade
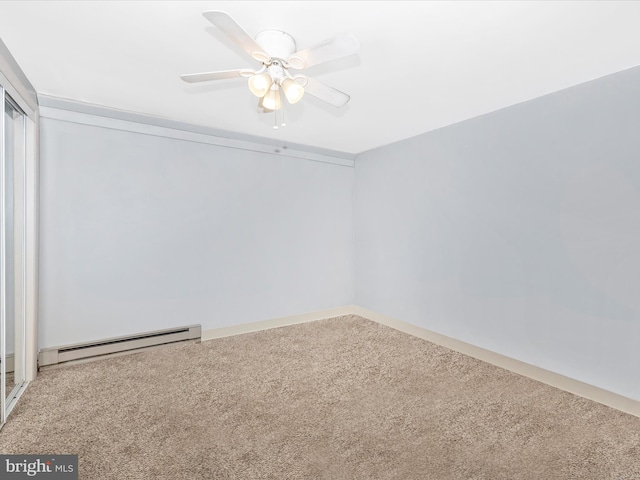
<point>292,90</point>
<point>260,84</point>
<point>271,100</point>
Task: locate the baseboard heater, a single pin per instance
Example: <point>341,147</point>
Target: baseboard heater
<point>85,351</point>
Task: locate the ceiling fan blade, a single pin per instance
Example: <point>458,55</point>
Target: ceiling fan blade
<point>222,74</point>
<point>326,93</point>
<point>330,49</point>
<point>236,33</point>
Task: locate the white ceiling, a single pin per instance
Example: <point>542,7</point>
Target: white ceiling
<point>422,65</point>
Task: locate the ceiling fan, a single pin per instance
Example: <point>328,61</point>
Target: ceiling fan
<point>276,51</point>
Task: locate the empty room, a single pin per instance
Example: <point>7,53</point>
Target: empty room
<point>320,240</point>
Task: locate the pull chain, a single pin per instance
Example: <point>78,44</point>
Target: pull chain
<point>275,112</point>
<point>283,102</point>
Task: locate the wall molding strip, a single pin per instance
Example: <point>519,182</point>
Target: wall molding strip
<point>86,114</point>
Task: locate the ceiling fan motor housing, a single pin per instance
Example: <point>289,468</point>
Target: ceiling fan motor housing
<point>276,43</point>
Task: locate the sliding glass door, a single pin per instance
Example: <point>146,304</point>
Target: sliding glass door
<point>12,253</point>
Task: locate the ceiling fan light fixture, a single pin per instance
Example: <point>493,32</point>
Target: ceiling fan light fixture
<point>271,100</point>
<point>292,90</point>
<point>277,52</point>
<point>260,84</point>
<point>261,108</point>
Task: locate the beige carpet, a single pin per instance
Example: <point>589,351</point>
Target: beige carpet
<point>342,398</point>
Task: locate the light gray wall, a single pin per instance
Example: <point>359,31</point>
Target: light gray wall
<point>140,232</point>
<point>517,231</point>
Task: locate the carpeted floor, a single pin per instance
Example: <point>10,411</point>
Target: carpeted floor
<point>343,398</point>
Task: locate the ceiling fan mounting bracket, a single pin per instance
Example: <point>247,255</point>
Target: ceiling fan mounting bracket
<point>278,44</point>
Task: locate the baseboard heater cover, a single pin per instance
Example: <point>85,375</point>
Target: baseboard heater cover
<point>82,351</point>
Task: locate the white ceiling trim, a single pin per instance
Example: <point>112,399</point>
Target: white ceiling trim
<point>85,114</point>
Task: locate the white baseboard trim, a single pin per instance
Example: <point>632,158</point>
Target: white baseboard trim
<point>275,323</point>
<point>590,392</point>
